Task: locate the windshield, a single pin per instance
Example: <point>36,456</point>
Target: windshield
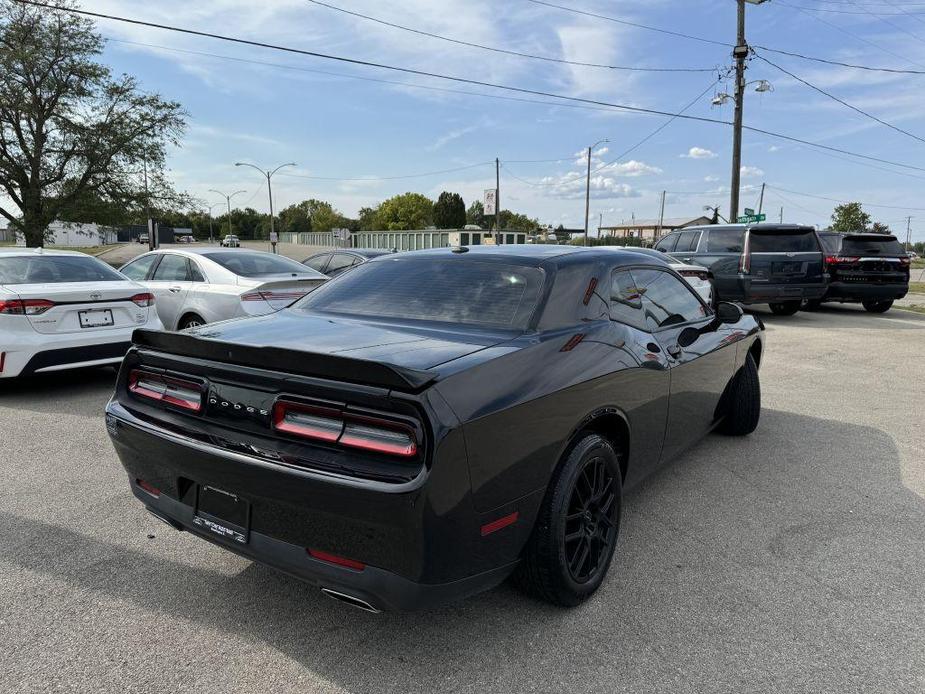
<point>255,264</point>
<point>453,290</point>
<point>869,246</point>
<point>55,270</point>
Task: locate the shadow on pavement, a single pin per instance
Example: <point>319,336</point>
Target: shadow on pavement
<point>792,559</point>
<point>56,391</point>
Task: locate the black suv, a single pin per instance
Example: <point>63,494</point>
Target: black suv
<point>872,269</point>
<point>776,264</point>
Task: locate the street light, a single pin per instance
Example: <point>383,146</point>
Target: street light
<point>269,175</point>
<point>228,201</point>
<point>588,186</point>
<point>210,219</point>
<point>722,97</point>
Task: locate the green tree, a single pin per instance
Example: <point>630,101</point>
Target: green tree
<point>368,219</point>
<point>449,211</point>
<point>476,214</point>
<point>406,211</point>
<point>880,228</point>
<point>68,128</point>
<point>312,215</point>
<point>850,217</point>
<point>517,221</point>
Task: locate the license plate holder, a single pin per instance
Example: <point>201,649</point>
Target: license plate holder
<point>222,513</point>
<point>95,318</point>
<point>787,268</point>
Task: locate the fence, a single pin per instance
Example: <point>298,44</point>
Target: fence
<point>402,240</point>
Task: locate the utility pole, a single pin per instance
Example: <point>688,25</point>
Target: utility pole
<point>908,233</point>
<point>781,215</point>
<point>600,223</point>
<point>761,199</point>
<point>269,175</point>
<point>497,200</point>
<point>661,218</point>
<point>740,52</point>
<point>152,240</point>
<point>588,187</point>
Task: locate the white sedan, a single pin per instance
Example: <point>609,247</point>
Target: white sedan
<point>65,310</point>
<point>697,276</point>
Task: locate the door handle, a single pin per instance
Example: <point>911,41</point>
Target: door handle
<point>176,289</point>
<point>674,351</point>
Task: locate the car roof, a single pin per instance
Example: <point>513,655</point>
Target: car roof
<point>536,254</point>
<point>765,226</point>
<point>28,252</point>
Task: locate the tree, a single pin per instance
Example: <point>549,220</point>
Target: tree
<point>880,228</point>
<point>406,211</point>
<point>476,214</point>
<point>517,221</point>
<point>368,219</point>
<point>449,211</point>
<point>312,215</point>
<point>67,127</point>
<point>850,217</point>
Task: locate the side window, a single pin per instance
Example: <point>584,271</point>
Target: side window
<point>317,262</point>
<point>172,268</point>
<point>666,300</point>
<point>667,243</point>
<point>625,300</point>
<point>138,269</point>
<point>340,262</point>
<point>725,240</point>
<point>687,241</point>
<point>195,273</point>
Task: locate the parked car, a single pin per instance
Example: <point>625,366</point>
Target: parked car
<point>695,275</point>
<point>776,264</point>
<point>198,286</point>
<point>333,263</point>
<point>186,238</point>
<point>231,241</point>
<point>872,269</point>
<point>431,422</point>
<point>143,237</point>
<point>65,310</point>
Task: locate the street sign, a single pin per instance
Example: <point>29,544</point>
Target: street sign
<point>751,219</point>
<point>489,204</point>
<point>749,212</point>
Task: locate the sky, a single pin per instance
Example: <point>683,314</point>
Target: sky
<point>360,134</point>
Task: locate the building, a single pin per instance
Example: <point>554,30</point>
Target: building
<point>75,235</point>
<point>648,229</point>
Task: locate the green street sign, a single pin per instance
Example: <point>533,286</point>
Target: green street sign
<point>751,218</point>
<point>749,212</point>
<point>760,217</point>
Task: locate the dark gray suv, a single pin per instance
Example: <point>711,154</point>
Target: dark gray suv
<point>776,264</point>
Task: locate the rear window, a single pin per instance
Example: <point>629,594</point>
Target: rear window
<point>868,246</point>
<point>449,290</point>
<point>247,264</point>
<point>830,242</point>
<point>725,240</point>
<point>55,270</point>
<point>800,242</point>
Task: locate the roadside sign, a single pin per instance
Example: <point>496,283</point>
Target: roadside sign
<point>751,218</point>
<point>274,237</point>
<point>749,212</point>
<point>489,204</point>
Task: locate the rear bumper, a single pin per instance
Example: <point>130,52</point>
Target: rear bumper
<point>756,292</point>
<point>857,291</point>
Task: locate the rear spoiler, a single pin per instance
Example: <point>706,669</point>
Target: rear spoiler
<point>330,366</point>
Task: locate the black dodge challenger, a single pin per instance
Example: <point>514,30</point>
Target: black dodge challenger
<point>430,423</point>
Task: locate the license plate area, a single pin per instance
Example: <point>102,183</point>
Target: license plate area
<point>794,268</point>
<point>222,513</point>
<point>95,318</point>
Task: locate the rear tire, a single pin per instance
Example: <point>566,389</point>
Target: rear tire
<point>743,409</point>
<point>785,308</point>
<point>813,305</point>
<point>190,320</point>
<point>877,306</point>
<point>573,541</point>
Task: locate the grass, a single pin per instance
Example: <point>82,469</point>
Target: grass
<point>914,307</point>
<point>917,287</point>
<point>90,250</point>
<point>918,263</point>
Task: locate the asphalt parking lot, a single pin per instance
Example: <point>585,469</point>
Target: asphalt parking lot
<point>792,560</point>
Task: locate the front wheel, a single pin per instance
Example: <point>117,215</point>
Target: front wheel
<point>877,306</point>
<point>785,308</point>
<point>573,541</point>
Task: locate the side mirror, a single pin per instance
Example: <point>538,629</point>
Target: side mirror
<point>661,250</point>
<point>727,312</point>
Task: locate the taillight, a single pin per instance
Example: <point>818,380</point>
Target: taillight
<point>355,431</point>
<point>25,307</point>
<point>143,300</point>
<point>167,389</point>
<point>905,262</point>
<point>148,487</point>
<point>745,261</point>
<point>693,273</point>
<point>840,259</point>
<point>334,559</point>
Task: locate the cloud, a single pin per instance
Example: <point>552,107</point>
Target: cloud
<point>450,136</point>
<point>573,184</point>
<point>750,172</point>
<point>773,148</point>
<point>711,179</point>
<point>699,153</point>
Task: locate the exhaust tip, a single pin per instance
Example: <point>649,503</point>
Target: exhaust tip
<point>350,600</point>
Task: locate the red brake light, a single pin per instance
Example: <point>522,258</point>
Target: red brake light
<point>840,259</point>
<point>905,261</point>
<point>355,431</point>
<point>334,559</point>
<point>143,300</point>
<point>150,488</point>
<point>25,307</point>
<point>173,391</point>
<point>745,261</point>
<point>693,273</point>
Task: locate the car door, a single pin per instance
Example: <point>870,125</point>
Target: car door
<point>170,285</point>
<point>687,245</point>
<point>700,359</point>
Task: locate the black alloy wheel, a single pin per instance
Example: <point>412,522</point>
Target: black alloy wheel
<point>590,527</point>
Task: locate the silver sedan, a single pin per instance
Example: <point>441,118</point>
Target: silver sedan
<point>197,286</point>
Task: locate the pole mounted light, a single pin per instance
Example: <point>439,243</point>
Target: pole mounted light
<point>228,201</point>
<point>269,175</point>
<point>588,186</point>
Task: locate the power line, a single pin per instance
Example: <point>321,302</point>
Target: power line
<point>423,73</point>
<point>831,11</point>
<point>880,18</point>
<point>387,178</point>
<point>842,101</point>
<point>841,202</point>
<point>839,63</point>
<point>495,49</point>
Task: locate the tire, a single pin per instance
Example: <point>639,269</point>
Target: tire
<point>785,308</point>
<point>877,306</point>
<point>190,320</point>
<point>573,541</point>
<point>743,402</point>
<point>813,305</point>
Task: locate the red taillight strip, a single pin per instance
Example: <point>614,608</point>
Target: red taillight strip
<point>150,488</point>
<point>313,424</point>
<point>172,393</point>
<point>336,560</point>
<point>25,307</point>
<point>375,436</point>
<point>143,300</point>
<point>592,285</point>
<point>502,522</point>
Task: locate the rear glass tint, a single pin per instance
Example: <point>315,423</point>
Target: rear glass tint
<point>764,242</point>
<point>247,264</point>
<point>830,242</point>
<point>725,240</point>
<point>55,270</point>
<point>451,291</point>
<point>868,246</point>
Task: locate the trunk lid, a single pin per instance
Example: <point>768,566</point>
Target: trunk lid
<point>784,255</point>
<point>82,307</point>
<point>279,291</point>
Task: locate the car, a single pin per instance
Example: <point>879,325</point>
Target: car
<point>186,238</point>
<point>143,237</point>
<point>912,255</point>
<point>870,269</point>
<point>432,422</point>
<point>776,264</point>
<point>231,241</point>
<point>333,263</point>
<point>66,310</point>
<point>697,276</point>
<point>198,286</point>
